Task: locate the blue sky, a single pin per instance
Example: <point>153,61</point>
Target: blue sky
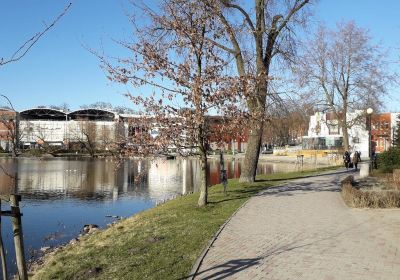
<point>58,69</point>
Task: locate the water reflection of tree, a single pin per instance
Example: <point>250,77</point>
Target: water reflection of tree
<point>105,179</point>
<point>8,177</point>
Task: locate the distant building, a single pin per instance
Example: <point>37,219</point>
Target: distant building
<point>324,132</point>
<point>44,126</point>
<point>383,127</point>
<point>231,138</point>
<point>47,127</point>
<point>7,126</point>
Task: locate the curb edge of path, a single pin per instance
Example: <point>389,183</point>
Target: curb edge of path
<point>199,261</point>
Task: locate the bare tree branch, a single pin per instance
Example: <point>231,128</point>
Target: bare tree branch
<point>27,45</point>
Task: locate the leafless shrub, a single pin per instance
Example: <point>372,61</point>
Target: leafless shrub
<point>356,198</point>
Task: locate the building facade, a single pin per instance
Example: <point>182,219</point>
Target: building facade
<point>324,132</point>
<point>8,128</point>
<point>40,128</point>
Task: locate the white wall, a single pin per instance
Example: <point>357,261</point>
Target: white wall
<point>60,131</point>
<point>393,124</point>
<point>358,135</point>
<point>51,131</point>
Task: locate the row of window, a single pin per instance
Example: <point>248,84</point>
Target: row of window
<point>381,125</point>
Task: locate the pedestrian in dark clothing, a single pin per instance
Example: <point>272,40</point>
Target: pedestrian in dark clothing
<point>374,160</point>
<point>355,159</point>
<point>346,159</point>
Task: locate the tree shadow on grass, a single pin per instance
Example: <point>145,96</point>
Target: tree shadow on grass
<point>239,194</point>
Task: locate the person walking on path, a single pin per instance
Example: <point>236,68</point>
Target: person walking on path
<point>354,159</point>
<point>346,159</point>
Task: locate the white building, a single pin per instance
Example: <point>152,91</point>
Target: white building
<point>56,128</point>
<point>324,133</point>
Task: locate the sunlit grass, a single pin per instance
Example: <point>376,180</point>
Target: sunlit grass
<point>159,243</point>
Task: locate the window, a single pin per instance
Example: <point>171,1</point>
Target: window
<point>333,127</point>
<point>386,125</point>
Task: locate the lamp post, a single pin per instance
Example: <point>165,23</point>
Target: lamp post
<point>369,115</point>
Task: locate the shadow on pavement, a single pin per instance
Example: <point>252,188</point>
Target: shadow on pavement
<point>296,188</point>
<point>309,176</point>
<point>290,188</point>
<point>228,268</point>
<point>232,267</point>
<point>300,188</point>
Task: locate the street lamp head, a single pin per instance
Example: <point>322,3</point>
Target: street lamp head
<point>370,111</point>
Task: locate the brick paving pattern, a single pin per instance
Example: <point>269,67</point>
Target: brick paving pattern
<point>303,230</point>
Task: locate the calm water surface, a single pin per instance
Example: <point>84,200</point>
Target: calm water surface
<point>60,196</point>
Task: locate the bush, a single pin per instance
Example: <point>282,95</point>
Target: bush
<point>389,160</point>
<point>369,199</point>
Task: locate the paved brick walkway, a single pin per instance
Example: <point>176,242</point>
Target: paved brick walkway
<point>303,230</point>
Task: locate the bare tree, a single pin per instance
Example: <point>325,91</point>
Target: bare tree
<point>19,53</point>
<point>255,40</point>
<point>85,134</point>
<point>106,137</point>
<point>62,107</point>
<point>98,105</point>
<point>345,71</point>
<point>41,132</point>
<point>24,48</point>
<point>186,72</point>
<point>9,119</point>
<point>286,125</point>
<point>9,127</point>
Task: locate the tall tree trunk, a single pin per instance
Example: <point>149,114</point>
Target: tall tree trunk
<point>345,129</point>
<point>13,149</point>
<point>346,145</point>
<point>264,51</point>
<point>256,104</point>
<point>204,184</point>
<point>13,139</point>
<point>256,125</point>
<point>252,152</point>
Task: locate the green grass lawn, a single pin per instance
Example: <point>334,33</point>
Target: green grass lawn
<point>159,243</point>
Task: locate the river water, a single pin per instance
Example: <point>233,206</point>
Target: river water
<point>60,196</point>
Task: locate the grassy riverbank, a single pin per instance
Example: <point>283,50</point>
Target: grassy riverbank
<point>160,243</point>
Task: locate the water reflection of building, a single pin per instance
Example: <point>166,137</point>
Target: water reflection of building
<point>79,178</point>
<point>95,178</point>
<point>232,167</point>
<point>165,177</point>
<point>109,180</point>
<point>190,175</point>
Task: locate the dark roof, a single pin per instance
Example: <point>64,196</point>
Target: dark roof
<point>92,114</point>
<point>43,114</point>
